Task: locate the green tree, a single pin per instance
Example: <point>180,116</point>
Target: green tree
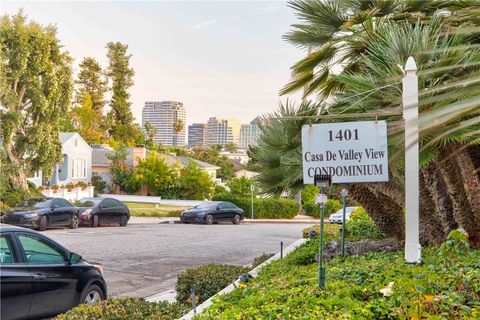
<point>212,155</point>
<point>86,121</point>
<point>241,186</point>
<point>91,81</point>
<point>195,183</point>
<point>155,173</point>
<point>122,176</point>
<point>35,93</point>
<point>231,147</point>
<point>150,133</point>
<point>121,75</point>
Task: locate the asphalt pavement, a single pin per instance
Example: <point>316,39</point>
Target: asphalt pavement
<point>141,260</point>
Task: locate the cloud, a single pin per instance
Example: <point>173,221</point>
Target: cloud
<point>206,23</point>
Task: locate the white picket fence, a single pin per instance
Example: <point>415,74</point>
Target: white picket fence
<point>152,199</point>
<point>74,194</point>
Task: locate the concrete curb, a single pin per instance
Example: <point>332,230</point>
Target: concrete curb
<point>254,273</point>
<point>252,221</point>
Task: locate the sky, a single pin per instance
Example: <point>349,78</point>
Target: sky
<point>219,58</point>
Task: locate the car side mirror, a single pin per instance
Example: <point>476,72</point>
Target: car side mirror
<point>73,258</point>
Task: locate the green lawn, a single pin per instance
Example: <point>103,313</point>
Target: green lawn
<point>287,289</point>
<point>153,210</point>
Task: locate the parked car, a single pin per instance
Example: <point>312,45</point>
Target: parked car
<point>337,217</point>
<point>213,211</point>
<point>40,278</point>
<point>42,213</point>
<point>97,211</point>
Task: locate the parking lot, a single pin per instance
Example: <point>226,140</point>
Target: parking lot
<point>144,259</point>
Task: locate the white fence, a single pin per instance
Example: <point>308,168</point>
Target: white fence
<point>71,195</point>
<point>151,199</point>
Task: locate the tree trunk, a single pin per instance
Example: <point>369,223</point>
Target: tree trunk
<point>18,180</point>
<point>385,213</point>
<point>435,183</point>
<point>473,191</point>
<point>391,189</point>
<point>453,178</point>
<point>431,229</point>
<point>474,153</point>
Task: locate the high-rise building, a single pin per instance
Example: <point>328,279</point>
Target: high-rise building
<point>168,118</point>
<point>249,134</point>
<point>196,134</point>
<point>222,131</point>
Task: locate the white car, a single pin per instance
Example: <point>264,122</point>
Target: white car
<point>338,216</point>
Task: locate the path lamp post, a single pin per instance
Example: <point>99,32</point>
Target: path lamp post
<point>344,203</point>
<point>252,187</point>
<point>322,182</point>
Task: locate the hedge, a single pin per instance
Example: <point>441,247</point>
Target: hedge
<point>125,309</point>
<point>313,210</point>
<point>270,208</point>
<point>207,281</point>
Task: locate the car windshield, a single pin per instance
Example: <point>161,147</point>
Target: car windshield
<point>35,203</point>
<point>348,210</point>
<point>206,205</point>
<point>88,202</point>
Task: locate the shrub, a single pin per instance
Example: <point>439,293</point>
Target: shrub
<point>125,309</point>
<point>332,230</point>
<point>270,208</point>
<point>313,210</point>
<point>360,226</point>
<point>240,187</point>
<point>99,185</point>
<point>207,281</point>
<point>308,194</point>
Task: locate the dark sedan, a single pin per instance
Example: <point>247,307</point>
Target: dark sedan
<point>97,211</point>
<point>40,278</point>
<point>41,213</point>
<point>213,211</point>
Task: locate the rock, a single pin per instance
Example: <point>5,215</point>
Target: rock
<point>333,248</point>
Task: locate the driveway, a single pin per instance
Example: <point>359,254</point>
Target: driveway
<point>144,259</point>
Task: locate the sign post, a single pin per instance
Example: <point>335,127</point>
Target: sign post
<point>322,182</point>
<point>344,204</point>
<point>251,194</point>
<point>410,114</point>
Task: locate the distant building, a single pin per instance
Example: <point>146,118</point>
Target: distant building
<point>255,131</point>
<point>249,134</point>
<point>167,117</point>
<point>242,157</point>
<point>241,170</point>
<point>222,131</point>
<point>197,134</point>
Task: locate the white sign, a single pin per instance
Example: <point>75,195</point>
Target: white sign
<point>347,151</point>
<point>321,198</point>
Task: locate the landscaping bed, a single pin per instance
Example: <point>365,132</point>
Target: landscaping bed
<point>373,286</point>
<point>153,210</point>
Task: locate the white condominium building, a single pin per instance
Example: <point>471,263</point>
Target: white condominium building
<point>168,118</point>
<point>222,131</point>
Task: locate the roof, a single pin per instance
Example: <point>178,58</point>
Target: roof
<point>65,136</point>
<point>100,156</point>
<point>8,228</point>
<point>203,165</point>
<point>237,165</point>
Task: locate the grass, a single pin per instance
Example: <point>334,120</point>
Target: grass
<point>154,210</point>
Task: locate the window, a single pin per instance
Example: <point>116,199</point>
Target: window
<point>6,252</point>
<point>60,203</point>
<point>79,168</point>
<point>38,250</point>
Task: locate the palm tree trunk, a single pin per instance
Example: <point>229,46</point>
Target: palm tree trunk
<point>452,173</point>
<point>474,153</point>
<point>431,229</point>
<point>385,213</point>
<point>435,183</point>
<point>472,182</point>
<point>392,189</point>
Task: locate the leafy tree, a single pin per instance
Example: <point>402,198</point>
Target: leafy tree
<point>122,176</point>
<point>150,133</point>
<point>195,183</point>
<point>212,155</point>
<point>308,194</point>
<point>155,173</point>
<point>91,81</point>
<point>98,184</point>
<point>35,93</point>
<point>86,121</point>
<point>121,75</point>
<point>231,147</point>
<point>241,186</point>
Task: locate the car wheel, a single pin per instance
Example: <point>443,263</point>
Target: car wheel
<point>42,226</point>
<point>237,219</point>
<point>75,222</point>
<point>95,221</point>
<point>123,221</point>
<point>209,219</point>
<point>92,294</point>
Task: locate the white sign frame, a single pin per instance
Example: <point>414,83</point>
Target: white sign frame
<point>351,152</point>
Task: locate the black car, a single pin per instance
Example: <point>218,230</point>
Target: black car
<point>97,211</point>
<point>41,213</point>
<point>213,211</point>
<point>40,278</point>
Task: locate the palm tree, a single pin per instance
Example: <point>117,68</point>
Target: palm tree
<point>370,39</point>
